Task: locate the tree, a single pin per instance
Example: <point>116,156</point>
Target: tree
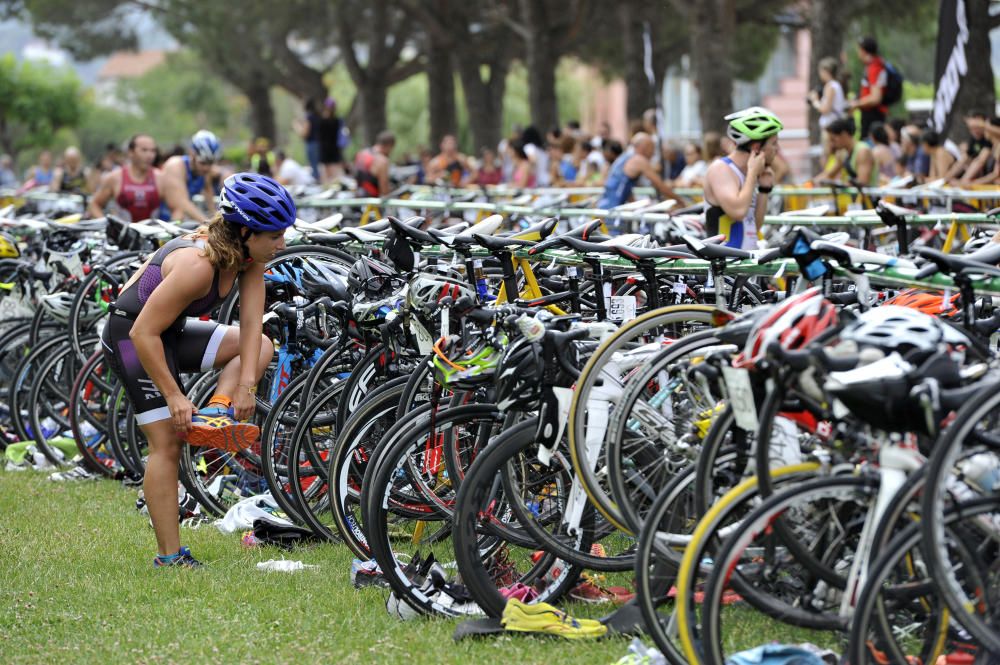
<point>712,26</point>
<point>548,29</point>
<point>249,48</point>
<point>35,101</point>
<point>668,40</point>
<point>441,83</point>
<point>380,30</point>
<point>479,43</point>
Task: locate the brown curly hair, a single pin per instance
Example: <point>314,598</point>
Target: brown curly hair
<point>223,246</point>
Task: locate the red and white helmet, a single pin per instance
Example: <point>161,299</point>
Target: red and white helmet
<point>793,324</point>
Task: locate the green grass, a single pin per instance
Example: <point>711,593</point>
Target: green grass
<point>77,586</point>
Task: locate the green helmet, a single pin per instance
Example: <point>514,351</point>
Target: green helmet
<point>753,124</point>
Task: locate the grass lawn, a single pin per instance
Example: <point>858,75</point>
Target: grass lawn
<point>77,586</point>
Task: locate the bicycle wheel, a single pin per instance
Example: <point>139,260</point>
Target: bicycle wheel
<point>18,398</point>
<point>825,514</point>
<point>549,505</point>
<point>656,428</point>
<point>588,415</point>
<point>48,401</point>
<point>966,465</point>
<point>719,521</point>
<point>309,456</point>
<point>408,504</point>
<point>348,459</point>
<point>899,615</point>
<point>89,409</point>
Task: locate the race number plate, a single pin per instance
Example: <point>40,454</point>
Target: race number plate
<point>621,308</point>
<point>741,397</point>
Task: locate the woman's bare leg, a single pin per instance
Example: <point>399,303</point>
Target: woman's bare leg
<point>160,484</point>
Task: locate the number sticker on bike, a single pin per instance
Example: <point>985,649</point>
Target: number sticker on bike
<point>621,308</point>
<point>741,397</point>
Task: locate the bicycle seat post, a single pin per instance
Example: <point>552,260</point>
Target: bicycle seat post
<point>597,277</point>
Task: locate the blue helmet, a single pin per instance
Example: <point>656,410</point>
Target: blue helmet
<point>256,202</point>
<point>206,146</point>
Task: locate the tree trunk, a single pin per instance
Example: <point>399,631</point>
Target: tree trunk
<point>261,112</point>
<point>977,92</point>
<point>441,91</point>
<point>373,104</point>
<point>827,23</point>
<point>713,25</point>
<point>541,59</point>
<point>7,141</point>
<point>640,95</point>
<point>484,100</point>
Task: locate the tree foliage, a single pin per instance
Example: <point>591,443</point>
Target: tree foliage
<point>36,100</point>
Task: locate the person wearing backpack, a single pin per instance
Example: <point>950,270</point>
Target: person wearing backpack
<point>881,85</point>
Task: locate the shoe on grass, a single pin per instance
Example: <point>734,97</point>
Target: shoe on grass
<point>73,475</point>
<point>183,559</point>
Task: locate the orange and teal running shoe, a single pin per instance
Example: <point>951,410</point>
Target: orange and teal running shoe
<point>213,427</point>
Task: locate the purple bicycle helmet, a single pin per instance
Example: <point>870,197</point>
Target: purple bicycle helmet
<point>256,202</point>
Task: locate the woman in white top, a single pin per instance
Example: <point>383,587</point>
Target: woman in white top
<point>695,167</point>
<point>832,105</point>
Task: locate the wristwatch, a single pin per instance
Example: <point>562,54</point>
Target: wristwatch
<point>765,190</point>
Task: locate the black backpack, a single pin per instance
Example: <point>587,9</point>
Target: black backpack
<point>893,91</point>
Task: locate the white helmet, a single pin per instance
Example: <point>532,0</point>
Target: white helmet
<point>206,146</point>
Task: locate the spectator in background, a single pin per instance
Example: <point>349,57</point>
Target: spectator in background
<point>918,163</point>
<point>604,131</point>
<point>693,174</point>
<point>852,160</point>
<point>290,172</point>
<point>984,169</point>
<point>941,159</point>
<point>594,165</point>
<point>8,179</point>
<point>533,146</point>
<point>900,169</point>
<point>330,156</point>
<point>873,84</point>
<point>371,165</point>
<point>712,148</point>
<point>611,150</point>
<point>424,157</point>
<point>40,175</point>
<point>573,129</point>
<point>523,173</point>
<point>449,166</point>
<point>674,159</point>
<point>261,158</point>
<point>569,163</point>
<point>894,128</point>
<point>488,171</point>
<point>581,149</point>
<point>308,128</point>
<point>975,152</point>
<point>72,177</point>
<point>885,161</point>
<point>831,104</point>
<point>626,171</point>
